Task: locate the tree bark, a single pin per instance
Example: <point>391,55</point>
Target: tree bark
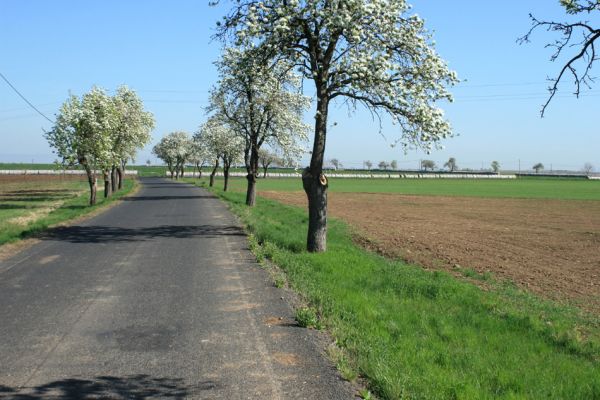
<point>316,191</point>
<point>121,173</point>
<point>315,183</point>
<point>92,182</point>
<point>212,174</point>
<point>114,178</point>
<point>107,183</point>
<point>226,166</point>
<point>251,190</point>
<point>265,172</point>
<point>199,168</point>
<point>252,169</point>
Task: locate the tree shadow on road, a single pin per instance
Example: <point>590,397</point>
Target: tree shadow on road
<point>106,234</point>
<point>147,198</point>
<point>111,387</point>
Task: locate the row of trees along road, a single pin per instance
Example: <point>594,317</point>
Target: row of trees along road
<point>258,100</point>
<point>101,133</point>
<point>214,143</point>
<point>369,53</point>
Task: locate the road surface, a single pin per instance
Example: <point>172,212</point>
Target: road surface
<point>158,297</point>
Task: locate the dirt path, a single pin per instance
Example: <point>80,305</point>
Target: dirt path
<point>551,247</point>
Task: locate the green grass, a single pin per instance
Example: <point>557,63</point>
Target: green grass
<point>21,199</point>
<point>565,189</point>
<point>418,334</point>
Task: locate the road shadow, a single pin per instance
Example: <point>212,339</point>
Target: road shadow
<point>149,198</point>
<point>167,185</point>
<point>111,387</point>
<point>107,234</point>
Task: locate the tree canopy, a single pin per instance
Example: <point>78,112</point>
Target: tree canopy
<point>371,53</point>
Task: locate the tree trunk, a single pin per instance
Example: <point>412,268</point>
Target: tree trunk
<point>226,166</point>
<point>114,179</point>
<point>92,182</point>
<point>252,169</point>
<point>212,174</point>
<point>199,167</point>
<point>120,176</point>
<point>251,190</point>
<point>107,183</point>
<point>265,172</point>
<point>315,183</point>
<point>121,173</point>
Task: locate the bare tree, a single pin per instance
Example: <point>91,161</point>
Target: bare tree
<point>368,164</point>
<point>394,165</point>
<point>579,35</point>
<point>266,158</point>
<point>538,167</point>
<point>451,164</point>
<point>588,168</point>
<point>383,165</point>
<point>428,164</point>
<point>336,163</point>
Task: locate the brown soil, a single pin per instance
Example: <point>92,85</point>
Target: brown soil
<point>551,247</point>
<point>39,178</point>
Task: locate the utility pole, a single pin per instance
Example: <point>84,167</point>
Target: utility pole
<point>519,165</point>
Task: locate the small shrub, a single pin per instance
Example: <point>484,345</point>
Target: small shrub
<point>307,318</point>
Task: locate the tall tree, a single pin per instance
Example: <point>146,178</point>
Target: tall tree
<point>394,165</point>
<point>260,100</point>
<point>578,35</point>
<point>538,167</point>
<point>132,132</point>
<point>370,52</point>
<point>383,165</point>
<point>83,134</point>
<point>368,165</point>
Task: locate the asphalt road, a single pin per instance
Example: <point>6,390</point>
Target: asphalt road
<point>158,297</point>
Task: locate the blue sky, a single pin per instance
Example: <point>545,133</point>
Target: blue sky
<point>164,51</point>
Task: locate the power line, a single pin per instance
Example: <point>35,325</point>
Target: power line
<point>23,97</point>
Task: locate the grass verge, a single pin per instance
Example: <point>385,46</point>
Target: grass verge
<point>71,208</point>
<point>417,334</point>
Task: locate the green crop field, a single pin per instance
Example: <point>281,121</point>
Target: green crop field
<point>541,188</point>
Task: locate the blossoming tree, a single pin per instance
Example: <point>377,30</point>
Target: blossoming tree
<point>132,131</point>
<point>370,52</point>
<point>260,101</point>
<point>174,149</point>
<point>83,134</point>
<point>223,143</point>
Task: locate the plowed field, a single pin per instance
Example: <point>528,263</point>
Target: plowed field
<point>551,247</point>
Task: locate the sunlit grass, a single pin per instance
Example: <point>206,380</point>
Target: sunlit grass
<point>30,207</point>
<point>418,334</point>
